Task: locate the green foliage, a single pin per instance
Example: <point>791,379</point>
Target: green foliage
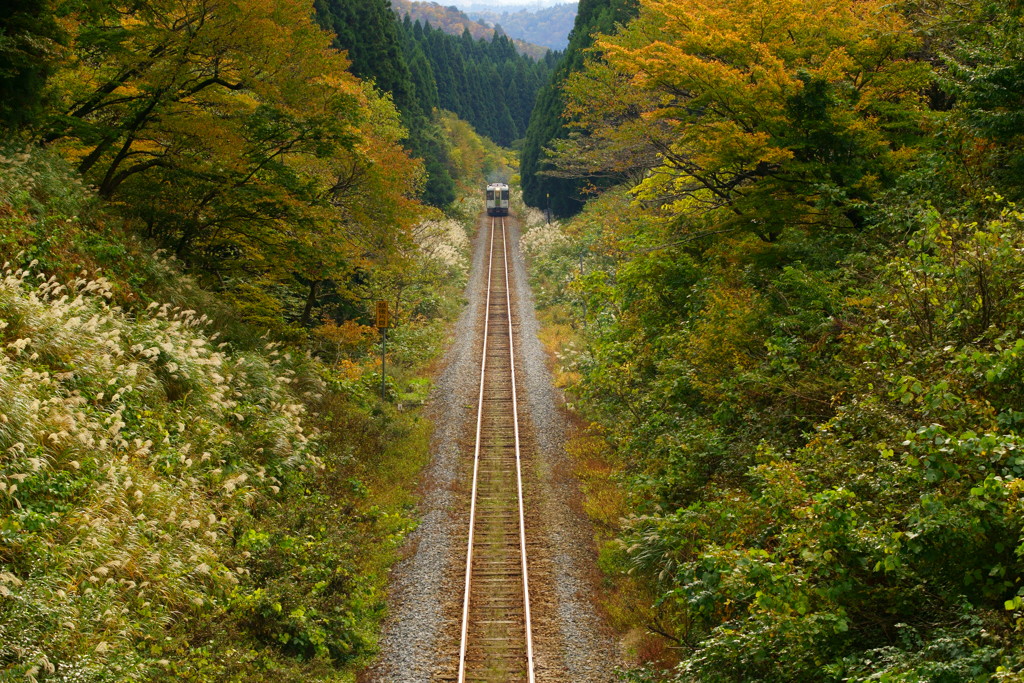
<point>984,74</point>
<point>182,494</point>
<point>824,478</point>
<point>41,185</point>
<point>564,196</point>
<point>29,42</point>
<point>816,427</point>
<point>368,31</point>
<point>485,82</point>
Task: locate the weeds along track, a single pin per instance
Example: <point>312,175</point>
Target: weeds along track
<point>497,634</point>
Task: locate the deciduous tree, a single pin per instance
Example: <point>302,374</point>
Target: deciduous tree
<point>780,113</point>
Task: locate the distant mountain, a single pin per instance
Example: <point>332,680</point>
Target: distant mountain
<point>452,20</point>
<point>505,5</point>
<point>549,27</point>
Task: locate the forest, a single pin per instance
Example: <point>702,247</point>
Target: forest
<point>786,301</point>
<point>782,292</point>
<point>203,473</point>
<point>485,82</point>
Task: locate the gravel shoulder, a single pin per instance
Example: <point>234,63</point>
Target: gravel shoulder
<point>588,648</point>
<point>426,584</point>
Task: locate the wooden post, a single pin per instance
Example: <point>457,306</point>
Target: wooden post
<point>383,320</point>
<point>583,290</point>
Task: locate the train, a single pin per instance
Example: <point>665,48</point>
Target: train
<point>497,199</point>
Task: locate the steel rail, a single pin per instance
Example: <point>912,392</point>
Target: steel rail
<point>476,468</point>
<point>519,466</point>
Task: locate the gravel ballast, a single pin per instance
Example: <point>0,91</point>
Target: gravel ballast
<point>426,586</point>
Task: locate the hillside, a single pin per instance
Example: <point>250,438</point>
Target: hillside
<point>793,328</point>
<point>179,464</point>
<point>204,475</point>
<point>549,27</point>
<point>452,21</point>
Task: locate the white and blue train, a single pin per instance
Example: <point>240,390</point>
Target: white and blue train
<point>497,199</point>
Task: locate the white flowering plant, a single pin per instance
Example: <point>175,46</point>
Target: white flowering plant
<point>132,451</point>
<point>446,242</point>
<point>186,494</point>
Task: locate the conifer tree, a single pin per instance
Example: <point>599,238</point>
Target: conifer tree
<point>381,51</point>
<point>28,34</point>
<point>546,125</point>
<point>368,30</point>
<point>487,83</point>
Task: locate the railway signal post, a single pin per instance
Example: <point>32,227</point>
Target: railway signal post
<point>383,322</point>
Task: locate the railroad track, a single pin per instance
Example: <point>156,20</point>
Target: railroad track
<point>497,634</point>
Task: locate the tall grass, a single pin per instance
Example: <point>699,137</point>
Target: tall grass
<point>134,455</point>
<point>183,496</point>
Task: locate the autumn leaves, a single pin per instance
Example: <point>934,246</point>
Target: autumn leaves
<point>725,108</point>
<point>233,131</point>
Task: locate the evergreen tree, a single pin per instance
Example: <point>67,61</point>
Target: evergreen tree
<point>382,51</point>
<point>563,196</point>
<point>423,80</point>
<point>487,83</point>
<point>369,31</point>
<point>27,32</point>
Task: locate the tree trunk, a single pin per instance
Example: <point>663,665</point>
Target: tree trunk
<point>307,312</point>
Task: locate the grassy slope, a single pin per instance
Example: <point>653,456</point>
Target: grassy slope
<point>183,498</point>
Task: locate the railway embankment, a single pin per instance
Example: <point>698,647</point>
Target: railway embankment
<point>423,635</point>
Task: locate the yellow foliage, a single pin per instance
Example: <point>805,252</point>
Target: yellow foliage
<point>474,156</point>
<point>344,342</point>
<point>723,342</point>
<point>240,130</point>
<point>708,94</point>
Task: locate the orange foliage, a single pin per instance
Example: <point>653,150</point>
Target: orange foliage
<point>704,93</point>
<point>341,343</point>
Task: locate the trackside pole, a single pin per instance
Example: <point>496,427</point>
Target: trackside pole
<point>383,320</point>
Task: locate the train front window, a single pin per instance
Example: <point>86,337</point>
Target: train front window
<point>490,195</point>
<point>504,194</point>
